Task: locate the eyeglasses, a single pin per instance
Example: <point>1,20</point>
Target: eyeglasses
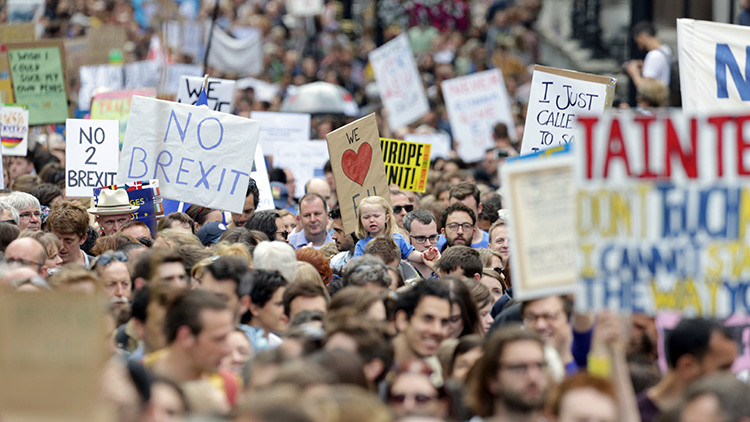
<point>418,398</point>
<point>422,239</point>
<point>283,234</point>
<point>549,317</point>
<point>106,258</point>
<point>28,214</point>
<point>23,262</point>
<point>523,368</point>
<point>454,226</point>
<point>398,208</point>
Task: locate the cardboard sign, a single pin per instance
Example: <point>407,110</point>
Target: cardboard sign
<point>146,196</point>
<point>243,57</point>
<point>49,340</point>
<point>115,105</point>
<point>713,66</point>
<point>661,213</point>
<point>475,104</point>
<point>102,40</point>
<point>440,143</point>
<point>557,96</point>
<point>259,173</point>
<point>540,197</point>
<point>38,75</point>
<point>276,129</point>
<point>90,155</point>
<point>220,93</point>
<point>304,8</point>
<point>406,163</point>
<point>305,159</point>
<point>14,130</point>
<point>11,32</point>
<point>357,163</point>
<point>399,82</point>
<point>199,155</point>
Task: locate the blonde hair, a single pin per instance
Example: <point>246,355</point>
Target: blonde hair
<point>233,249</point>
<point>390,227</point>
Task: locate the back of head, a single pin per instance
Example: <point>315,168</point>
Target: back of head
<point>185,310</point>
<point>21,200</point>
<point>691,336</point>
<point>263,221</point>
<point>278,256</point>
<point>232,268</point>
<point>644,27</point>
<point>731,393</point>
<point>461,256</point>
<point>580,381</point>
<point>384,248</point>
<point>364,270</point>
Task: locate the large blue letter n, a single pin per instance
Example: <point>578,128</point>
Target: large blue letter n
<point>725,60</point>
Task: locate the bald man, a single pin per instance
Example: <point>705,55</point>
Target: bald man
<point>26,252</point>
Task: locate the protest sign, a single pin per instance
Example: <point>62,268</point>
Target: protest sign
<point>406,163</point>
<point>259,173</point>
<point>304,8</point>
<point>305,159</point>
<point>24,10</point>
<point>399,82</point>
<point>557,96</point>
<point>175,71</point>
<point>102,40</point>
<point>146,196</point>
<point>185,36</point>
<point>357,164</point>
<point>661,213</point>
<point>278,128</point>
<point>475,104</point>
<point>540,197</point>
<point>219,92</point>
<point>11,32</point>
<point>90,155</point>
<point>440,143</point>
<point>103,77</point>
<point>197,154</point>
<point>712,56</point>
<point>49,340</point>
<point>243,57</point>
<point>14,130</point>
<point>38,75</point>
<point>115,105</point>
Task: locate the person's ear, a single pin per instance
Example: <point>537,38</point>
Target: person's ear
<point>244,304</point>
<point>477,276</point>
<point>401,320</point>
<point>83,239</point>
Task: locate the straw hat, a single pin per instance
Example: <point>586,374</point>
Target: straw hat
<point>112,202</point>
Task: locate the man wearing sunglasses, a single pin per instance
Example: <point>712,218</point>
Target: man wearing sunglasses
<point>422,228</point>
<point>401,206</point>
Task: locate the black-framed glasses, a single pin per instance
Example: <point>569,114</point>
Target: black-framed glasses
<point>22,261</point>
<point>421,239</point>
<point>398,208</point>
<point>419,398</point>
<point>454,226</point>
<point>106,258</point>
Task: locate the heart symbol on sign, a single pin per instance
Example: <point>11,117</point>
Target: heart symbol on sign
<point>357,164</point>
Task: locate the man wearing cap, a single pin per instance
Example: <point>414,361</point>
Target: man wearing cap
<point>211,232</point>
<point>313,217</point>
<point>112,210</point>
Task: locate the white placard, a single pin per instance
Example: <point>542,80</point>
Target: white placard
<point>440,143</point>
<point>260,175</point>
<point>199,155</point>
<point>243,57</point>
<point>262,90</point>
<point>219,92</point>
<point>399,82</point>
<point>91,153</point>
<point>276,129</point>
<point>304,8</point>
<point>14,130</point>
<point>305,159</point>
<point>475,104</point>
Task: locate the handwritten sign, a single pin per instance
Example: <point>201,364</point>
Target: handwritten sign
<point>406,163</point>
<point>475,104</point>
<point>14,130</point>
<point>115,105</point>
<point>357,163</point>
<point>556,98</point>
<point>198,155</point>
<point>90,155</point>
<point>38,75</point>
<point>661,213</point>
<point>146,196</point>
<point>276,129</point>
<point>48,340</point>
<point>399,82</point>
<point>540,197</point>
<point>220,93</point>
<point>305,159</point>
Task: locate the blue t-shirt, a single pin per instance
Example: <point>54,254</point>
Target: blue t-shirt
<point>405,247</point>
<point>481,244</point>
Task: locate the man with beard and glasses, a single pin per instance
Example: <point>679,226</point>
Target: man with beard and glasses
<point>112,269</point>
<point>458,223</point>
<point>510,380</point>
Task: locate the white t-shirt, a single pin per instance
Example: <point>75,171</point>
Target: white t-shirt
<point>657,64</point>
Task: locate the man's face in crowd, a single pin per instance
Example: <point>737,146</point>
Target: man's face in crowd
<point>70,245</point>
<point>26,252</point>
<point>173,274</point>
<point>271,316</point>
<point>30,218</point>
<point>427,327</point>
<point>500,241</point>
<point>423,236</point>
<point>306,303</point>
<point>521,381</point>
<point>247,210</point>
<point>224,288</point>
<point>211,345</point>
<point>547,317</point>
<point>458,229</point>
<point>312,215</point>
<point>343,241</point>
<point>720,356</point>
<point>116,282</point>
<point>110,224</point>
<point>402,201</point>
<point>20,166</point>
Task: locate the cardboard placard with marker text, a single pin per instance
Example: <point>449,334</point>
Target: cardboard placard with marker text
<point>406,163</point>
<point>357,163</point>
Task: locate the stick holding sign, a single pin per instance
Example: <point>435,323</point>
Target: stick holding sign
<point>357,163</point>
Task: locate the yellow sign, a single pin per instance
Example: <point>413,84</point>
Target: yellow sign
<point>406,163</point>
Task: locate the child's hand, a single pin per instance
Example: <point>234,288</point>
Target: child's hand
<point>431,254</point>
